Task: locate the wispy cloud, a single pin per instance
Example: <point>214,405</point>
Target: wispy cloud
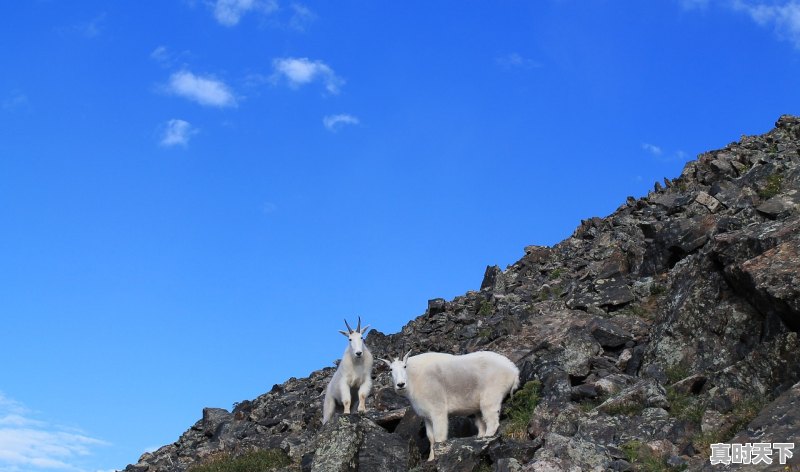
<point>206,91</point>
<point>336,122</point>
<point>652,149</point>
<point>230,12</point>
<point>168,58</point>
<point>664,155</point>
<point>302,71</point>
<point>160,54</point>
<point>269,208</point>
<point>515,60</point>
<point>302,16</point>
<point>177,133</point>
<point>783,18</point>
<point>15,101</point>
<point>31,444</point>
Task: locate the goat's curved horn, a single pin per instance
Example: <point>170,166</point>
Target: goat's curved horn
<point>349,329</point>
<point>358,328</point>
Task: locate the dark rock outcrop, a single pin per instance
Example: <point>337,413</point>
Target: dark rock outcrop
<point>652,333</point>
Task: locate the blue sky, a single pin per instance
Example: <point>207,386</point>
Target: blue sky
<point>194,194</point>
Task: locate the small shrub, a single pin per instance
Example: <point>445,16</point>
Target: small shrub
<point>644,459</point>
<point>486,308</point>
<point>254,461</point>
<point>635,309</point>
<point>773,187</point>
<point>551,293</point>
<point>685,406</point>
<point>555,274</point>
<point>677,372</point>
<point>520,409</point>
<point>743,412</point>
<point>625,408</point>
<point>591,403</point>
<point>657,289</point>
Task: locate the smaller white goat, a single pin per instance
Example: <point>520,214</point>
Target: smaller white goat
<point>353,376</point>
<point>439,384</point>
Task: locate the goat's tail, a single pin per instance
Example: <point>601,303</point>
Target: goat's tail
<point>515,385</point>
<point>328,407</point>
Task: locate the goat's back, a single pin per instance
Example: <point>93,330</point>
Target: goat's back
<point>465,373</point>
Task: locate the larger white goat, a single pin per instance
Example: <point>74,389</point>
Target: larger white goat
<point>438,385</point>
<point>354,374</point>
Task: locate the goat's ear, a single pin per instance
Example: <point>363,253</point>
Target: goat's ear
<point>344,334</point>
<point>385,362</point>
<point>365,329</point>
<point>405,358</point>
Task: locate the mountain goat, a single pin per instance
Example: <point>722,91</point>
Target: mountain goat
<point>439,384</point>
<point>354,374</point>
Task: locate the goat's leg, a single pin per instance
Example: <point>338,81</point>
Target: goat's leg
<point>431,437</point>
<point>363,391</point>
<point>490,411</point>
<point>344,392</point>
<point>481,425</point>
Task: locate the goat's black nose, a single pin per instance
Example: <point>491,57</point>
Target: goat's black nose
<point>401,385</point>
<point>358,354</point>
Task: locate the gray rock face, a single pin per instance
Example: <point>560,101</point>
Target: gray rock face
<point>651,333</point>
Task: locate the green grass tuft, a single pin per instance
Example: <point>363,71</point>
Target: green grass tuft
<point>644,459</point>
<point>625,408</point>
<point>743,412</point>
<point>254,461</point>
<point>773,187</point>
<point>520,409</point>
<point>486,308</point>
<point>685,406</point>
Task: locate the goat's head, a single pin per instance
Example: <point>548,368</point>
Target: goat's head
<point>399,373</point>
<point>356,338</point>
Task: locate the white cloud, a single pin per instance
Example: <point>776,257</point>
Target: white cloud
<point>784,19</point>
<point>515,60</point>
<point>336,122</point>
<point>177,133</point>
<point>652,149</point>
<point>302,71</point>
<point>31,444</point>
<point>230,12</point>
<point>203,90</point>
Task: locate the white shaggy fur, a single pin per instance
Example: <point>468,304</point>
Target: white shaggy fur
<point>438,385</point>
<point>352,377</point>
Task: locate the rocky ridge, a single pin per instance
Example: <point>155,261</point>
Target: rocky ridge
<point>667,326</point>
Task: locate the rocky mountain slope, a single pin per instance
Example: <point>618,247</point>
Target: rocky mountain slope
<point>646,335</point>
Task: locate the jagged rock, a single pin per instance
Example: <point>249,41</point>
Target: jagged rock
<point>608,334</point>
<point>436,306</point>
<point>646,393</point>
<point>351,443</point>
<point>780,206</point>
<point>462,454</point>
<point>708,201</point>
<point>693,290</point>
